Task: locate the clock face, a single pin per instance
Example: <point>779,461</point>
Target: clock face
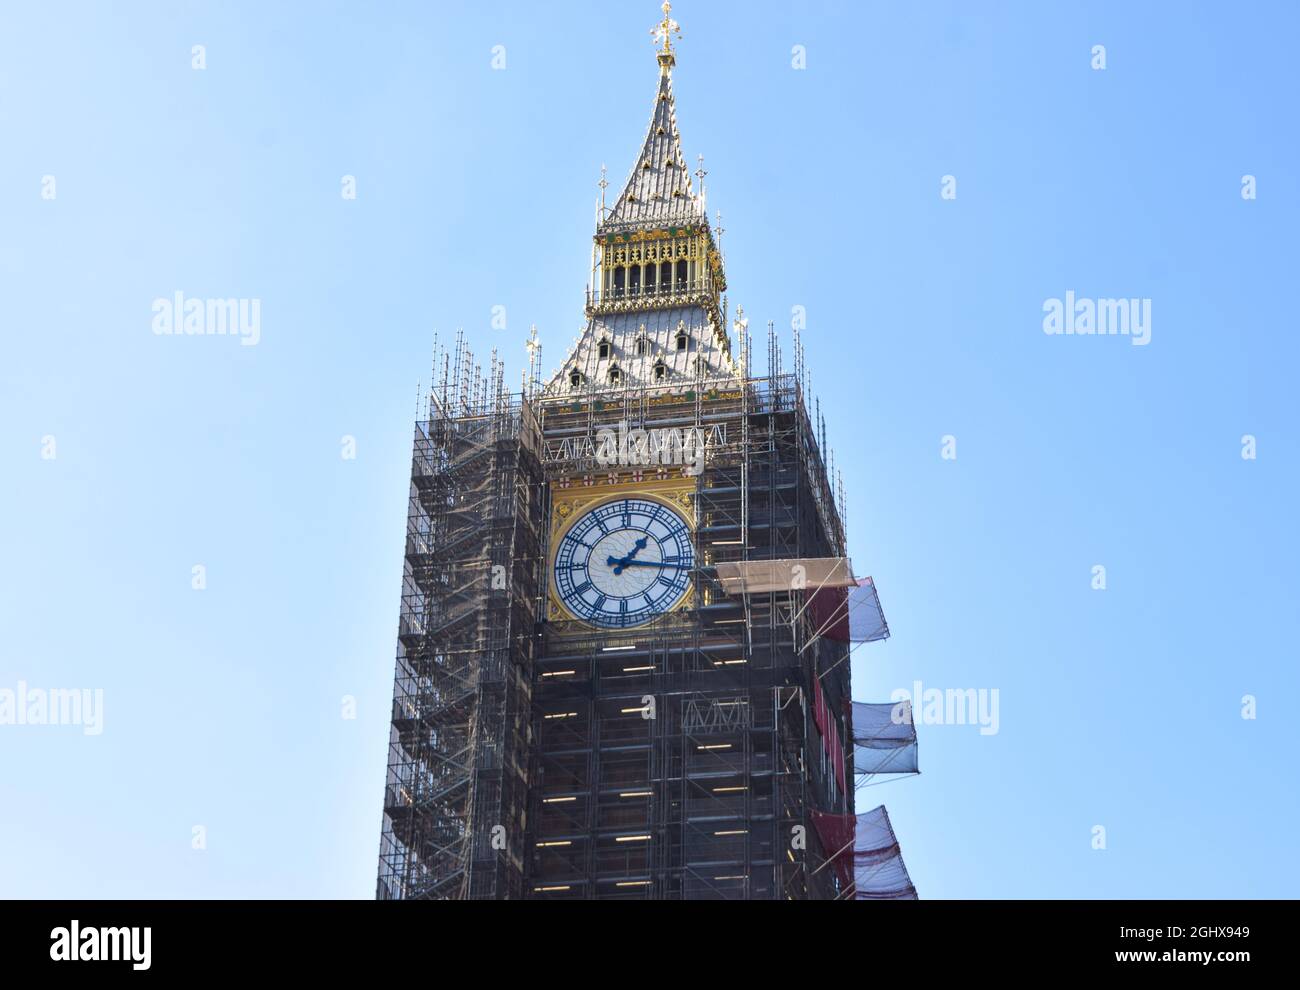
<point>623,563</point>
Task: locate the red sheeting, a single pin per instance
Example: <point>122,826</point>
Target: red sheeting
<point>829,727</point>
<point>829,610</point>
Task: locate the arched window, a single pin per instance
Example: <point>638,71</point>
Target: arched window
<point>642,346</point>
<point>575,378</point>
<point>615,375</point>
<point>661,370</point>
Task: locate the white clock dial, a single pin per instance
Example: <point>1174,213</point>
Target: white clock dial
<point>623,563</point>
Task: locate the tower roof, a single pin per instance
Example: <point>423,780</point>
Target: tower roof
<point>659,189</point>
<point>668,350</point>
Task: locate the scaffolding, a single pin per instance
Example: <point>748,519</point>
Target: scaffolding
<point>458,754</point>
<point>679,759</point>
<point>536,756</point>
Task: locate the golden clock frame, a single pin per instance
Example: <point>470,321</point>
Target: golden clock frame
<point>676,492</point>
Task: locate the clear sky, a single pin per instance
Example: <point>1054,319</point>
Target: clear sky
<point>476,187</point>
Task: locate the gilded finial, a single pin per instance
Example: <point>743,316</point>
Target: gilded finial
<point>662,33</point>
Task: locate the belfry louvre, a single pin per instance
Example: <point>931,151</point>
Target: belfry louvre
<point>583,708</point>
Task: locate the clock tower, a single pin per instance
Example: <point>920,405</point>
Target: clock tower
<point>583,708</point>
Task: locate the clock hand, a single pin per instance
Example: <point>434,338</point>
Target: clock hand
<point>622,562</point>
<point>644,563</point>
<point>619,564</point>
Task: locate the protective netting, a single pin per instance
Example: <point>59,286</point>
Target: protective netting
<point>849,614</point>
<point>863,851</point>
<point>884,738</point>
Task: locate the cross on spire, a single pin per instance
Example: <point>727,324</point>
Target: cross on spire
<point>663,32</point>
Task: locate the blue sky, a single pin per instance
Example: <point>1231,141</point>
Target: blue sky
<point>475,189</point>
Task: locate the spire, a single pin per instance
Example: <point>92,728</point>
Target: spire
<point>656,316</point>
<point>659,190</point>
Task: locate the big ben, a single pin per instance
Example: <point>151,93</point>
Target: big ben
<point>584,708</point>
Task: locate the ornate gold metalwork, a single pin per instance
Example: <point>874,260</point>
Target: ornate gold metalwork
<point>663,32</point>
